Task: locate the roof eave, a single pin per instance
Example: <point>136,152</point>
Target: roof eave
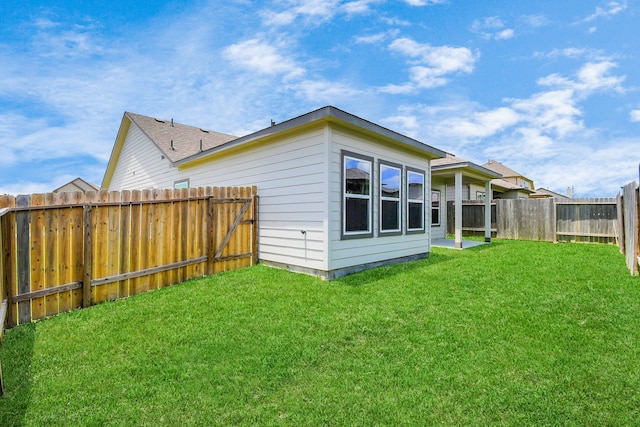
<point>125,123</point>
<point>328,114</point>
<point>477,171</point>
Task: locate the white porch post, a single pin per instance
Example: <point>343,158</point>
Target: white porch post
<point>487,212</point>
<point>458,211</point>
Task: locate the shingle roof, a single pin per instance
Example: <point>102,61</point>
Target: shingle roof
<point>178,141</point>
<point>506,172</point>
<point>77,184</point>
<point>450,159</point>
<point>451,162</point>
<point>506,184</point>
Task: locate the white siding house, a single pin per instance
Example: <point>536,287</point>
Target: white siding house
<point>338,194</point>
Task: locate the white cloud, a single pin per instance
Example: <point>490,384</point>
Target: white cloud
<point>552,112</point>
<point>259,56</point>
<point>613,8</point>
<point>320,91</point>
<point>56,39</point>
<point>592,76</point>
<point>535,21</point>
<point>574,53</point>
<point>591,172</point>
<point>635,115</point>
<point>359,6</point>
<point>424,2</point>
<point>504,34</point>
<point>315,12</point>
<point>376,38</point>
<point>492,28</point>
<point>406,124</point>
<point>431,65</point>
<point>479,124</point>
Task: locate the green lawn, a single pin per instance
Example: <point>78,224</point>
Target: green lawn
<point>515,333</point>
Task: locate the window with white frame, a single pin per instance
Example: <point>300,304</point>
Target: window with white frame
<point>356,195</point>
<point>390,198</point>
<point>435,207</point>
<point>415,200</point>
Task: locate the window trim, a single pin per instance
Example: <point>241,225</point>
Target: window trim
<point>423,229</point>
<point>179,182</point>
<point>400,168</point>
<point>439,208</point>
<point>344,235</point>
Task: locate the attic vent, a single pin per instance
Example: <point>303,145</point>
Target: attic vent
<point>172,149</point>
<point>205,131</point>
<point>160,121</point>
<point>200,145</point>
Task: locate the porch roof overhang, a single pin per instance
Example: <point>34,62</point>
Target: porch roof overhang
<point>470,172</point>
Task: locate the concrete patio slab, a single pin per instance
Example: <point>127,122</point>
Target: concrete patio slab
<point>450,244</point>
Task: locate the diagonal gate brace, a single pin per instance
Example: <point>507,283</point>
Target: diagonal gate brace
<point>233,227</point>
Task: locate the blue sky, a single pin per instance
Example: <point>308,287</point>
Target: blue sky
<point>549,88</point>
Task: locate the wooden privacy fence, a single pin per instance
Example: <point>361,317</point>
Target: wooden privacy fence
<point>551,220</point>
<point>69,250</point>
<point>629,225</point>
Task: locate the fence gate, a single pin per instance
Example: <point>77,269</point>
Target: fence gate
<point>235,212</point>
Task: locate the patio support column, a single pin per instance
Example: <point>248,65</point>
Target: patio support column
<point>487,212</point>
<point>458,211</point>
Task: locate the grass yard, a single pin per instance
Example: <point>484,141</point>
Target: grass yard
<point>515,333</point>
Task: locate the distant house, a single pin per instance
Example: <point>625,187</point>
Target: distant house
<point>338,193</point>
<point>456,179</point>
<point>77,184</point>
<point>512,185</point>
<point>543,193</point>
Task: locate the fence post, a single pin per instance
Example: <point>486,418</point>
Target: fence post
<point>620,223</point>
<point>210,235</point>
<point>87,258</point>
<point>254,230</point>
<point>4,294</point>
<point>23,219</point>
<point>554,221</point>
<point>637,231</point>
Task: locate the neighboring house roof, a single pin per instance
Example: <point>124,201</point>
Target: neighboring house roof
<point>503,170</point>
<point>77,184</point>
<point>508,174</point>
<point>507,185</point>
<point>541,193</point>
<point>450,164</point>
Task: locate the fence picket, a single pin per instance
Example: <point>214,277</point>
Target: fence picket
<point>125,244</point>
<point>38,248</point>
<point>54,264</point>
